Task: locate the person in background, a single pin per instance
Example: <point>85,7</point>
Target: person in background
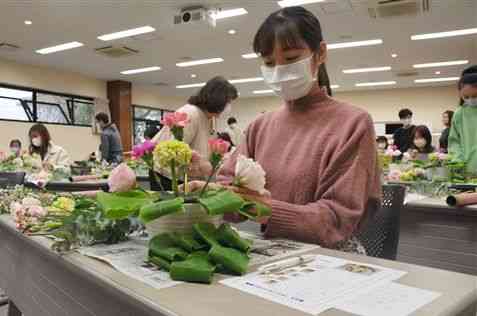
<point>319,154</point>
<point>463,131</point>
<point>211,100</point>
<point>111,147</point>
<point>444,139</point>
<point>382,144</point>
<point>422,143</point>
<point>52,156</point>
<point>150,132</point>
<point>226,137</point>
<point>403,135</point>
<point>234,131</point>
<point>16,148</point>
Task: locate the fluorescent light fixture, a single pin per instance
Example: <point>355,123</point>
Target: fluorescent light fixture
<point>291,3</point>
<point>250,56</point>
<point>444,34</point>
<point>355,44</point>
<point>28,22</point>
<point>59,48</point>
<point>199,62</point>
<point>436,80</point>
<point>223,14</point>
<point>232,32</point>
<point>377,83</point>
<point>437,73</point>
<point>335,86</point>
<point>137,71</point>
<point>262,91</point>
<point>372,69</point>
<point>245,80</point>
<point>442,64</point>
<point>127,33</point>
<point>394,55</point>
<point>193,76</point>
<point>192,85</point>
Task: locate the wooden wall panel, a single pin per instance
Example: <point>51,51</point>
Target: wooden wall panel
<point>120,97</point>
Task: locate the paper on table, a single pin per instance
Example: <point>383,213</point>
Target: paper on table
<point>413,197</point>
<point>391,299</point>
<point>128,258</point>
<point>316,286</point>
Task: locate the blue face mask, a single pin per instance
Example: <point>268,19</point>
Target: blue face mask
<point>470,101</point>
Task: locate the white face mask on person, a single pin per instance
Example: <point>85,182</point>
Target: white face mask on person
<point>406,121</point>
<point>291,82</point>
<point>420,142</point>
<point>36,141</point>
<point>470,101</point>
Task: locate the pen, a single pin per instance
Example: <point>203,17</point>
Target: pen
<point>287,263</point>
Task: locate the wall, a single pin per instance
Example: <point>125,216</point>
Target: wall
<point>78,141</point>
<point>149,96</point>
<point>426,103</point>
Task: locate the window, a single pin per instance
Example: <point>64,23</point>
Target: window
<point>83,112</point>
<point>144,117</point>
<point>13,104</point>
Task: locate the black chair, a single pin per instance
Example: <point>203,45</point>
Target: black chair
<point>10,179</point>
<point>380,237</point>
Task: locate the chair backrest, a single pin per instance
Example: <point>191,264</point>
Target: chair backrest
<point>380,237</point>
<point>8,179</point>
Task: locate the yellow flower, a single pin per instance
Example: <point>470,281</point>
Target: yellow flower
<point>172,150</point>
<point>65,204</point>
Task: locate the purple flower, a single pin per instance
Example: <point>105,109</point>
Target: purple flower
<point>143,149</point>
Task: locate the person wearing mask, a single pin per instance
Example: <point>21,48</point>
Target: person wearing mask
<point>463,131</point>
<point>53,157</point>
<point>403,135</point>
<point>382,144</point>
<point>422,143</point>
<point>319,153</point>
<point>16,148</point>
<point>234,131</point>
<point>209,103</point>
<point>111,147</point>
<point>444,139</point>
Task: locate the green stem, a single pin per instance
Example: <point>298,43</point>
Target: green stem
<point>158,180</point>
<point>214,170</point>
<point>175,186</point>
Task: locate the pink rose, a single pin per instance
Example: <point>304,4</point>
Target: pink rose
<point>37,211</point>
<point>219,146</point>
<point>16,209</point>
<point>178,119</point>
<point>122,179</point>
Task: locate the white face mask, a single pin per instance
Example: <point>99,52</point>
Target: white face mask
<point>420,142</point>
<point>36,141</point>
<point>470,101</point>
<point>407,121</point>
<point>292,81</point>
<point>381,146</point>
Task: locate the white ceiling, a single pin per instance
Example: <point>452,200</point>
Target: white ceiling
<point>56,22</point>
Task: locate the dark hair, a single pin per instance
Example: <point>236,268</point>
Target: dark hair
<point>45,137</point>
<point>151,131</point>
<point>214,96</point>
<point>231,120</point>
<point>382,139</point>
<point>102,117</point>
<point>467,72</point>
<point>426,134</point>
<point>227,138</point>
<point>292,27</point>
<point>450,115</point>
<point>404,113</point>
<point>16,142</point>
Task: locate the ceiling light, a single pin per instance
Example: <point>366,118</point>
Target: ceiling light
<point>126,33</point>
<point>372,69</point>
<point>232,32</point>
<point>377,83</point>
<point>58,48</point>
<point>442,64</point>
<point>437,73</point>
<point>291,3</point>
<point>334,86</point>
<point>136,71</point>
<point>192,85</point>
<point>444,34</point>
<point>28,22</point>
<point>245,80</point>
<point>355,44</point>
<point>262,91</point>
<point>193,76</point>
<point>394,55</point>
<point>436,80</point>
<point>250,56</point>
<point>222,14</point>
<point>199,62</point>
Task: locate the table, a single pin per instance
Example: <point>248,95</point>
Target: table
<point>68,186</point>
<point>41,282</point>
<point>436,235</point>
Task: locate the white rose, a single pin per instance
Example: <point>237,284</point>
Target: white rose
<point>249,174</point>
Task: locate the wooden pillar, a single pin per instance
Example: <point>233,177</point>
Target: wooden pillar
<point>119,95</point>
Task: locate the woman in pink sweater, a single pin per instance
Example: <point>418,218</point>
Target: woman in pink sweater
<point>319,153</point>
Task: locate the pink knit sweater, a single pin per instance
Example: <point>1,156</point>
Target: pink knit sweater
<point>319,155</point>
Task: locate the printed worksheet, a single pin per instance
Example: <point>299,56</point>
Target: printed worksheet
<point>316,286</point>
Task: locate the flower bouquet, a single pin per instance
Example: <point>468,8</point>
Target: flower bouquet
<point>385,159</point>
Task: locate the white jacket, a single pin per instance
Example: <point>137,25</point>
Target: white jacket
<point>57,157</point>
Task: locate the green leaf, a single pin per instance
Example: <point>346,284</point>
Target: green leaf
<point>197,268</point>
<point>255,210</point>
<point>163,246</point>
<point>186,242</point>
<point>150,212</point>
<point>230,259</point>
<point>160,262</point>
<point>206,232</point>
<point>222,202</point>
<point>120,207</point>
<point>228,237</point>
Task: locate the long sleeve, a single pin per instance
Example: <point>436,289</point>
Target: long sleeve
<point>105,147</point>
<point>455,138</point>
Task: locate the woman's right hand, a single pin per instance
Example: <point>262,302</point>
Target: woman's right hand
<point>199,167</point>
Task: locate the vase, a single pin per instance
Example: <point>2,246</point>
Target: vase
<point>182,222</point>
<point>440,173</point>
